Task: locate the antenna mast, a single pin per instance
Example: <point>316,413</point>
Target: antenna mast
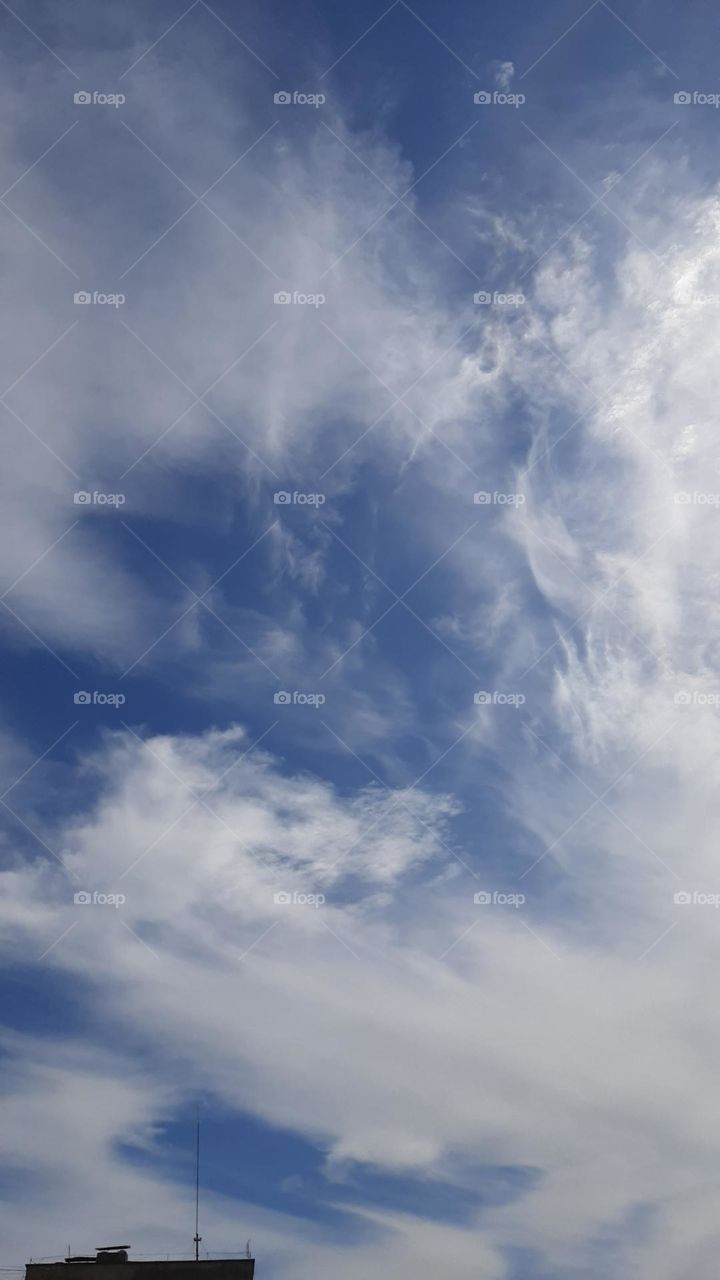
<point>197,1238</point>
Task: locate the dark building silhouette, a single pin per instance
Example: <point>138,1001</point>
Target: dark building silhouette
<point>114,1264</point>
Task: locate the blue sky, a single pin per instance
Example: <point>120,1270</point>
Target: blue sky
<point>360,682</point>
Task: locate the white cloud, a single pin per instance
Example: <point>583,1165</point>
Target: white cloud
<point>503,1048</point>
<point>504,72</point>
<point>202,302</point>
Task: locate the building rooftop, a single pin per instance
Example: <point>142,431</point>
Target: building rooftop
<point>113,1263</point>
